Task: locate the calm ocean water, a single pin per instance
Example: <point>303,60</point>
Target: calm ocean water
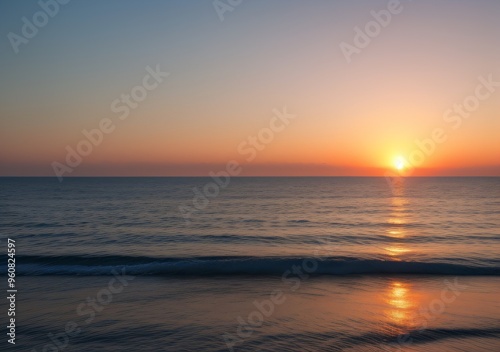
<point>358,263</point>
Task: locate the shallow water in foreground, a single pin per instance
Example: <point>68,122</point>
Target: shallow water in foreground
<point>361,313</point>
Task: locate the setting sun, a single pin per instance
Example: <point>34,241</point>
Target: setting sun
<point>399,163</point>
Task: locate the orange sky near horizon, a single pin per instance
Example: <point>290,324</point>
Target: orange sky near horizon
<point>434,67</point>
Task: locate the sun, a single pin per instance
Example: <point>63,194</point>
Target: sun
<point>399,163</point>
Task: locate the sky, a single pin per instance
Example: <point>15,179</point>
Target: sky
<point>226,73</point>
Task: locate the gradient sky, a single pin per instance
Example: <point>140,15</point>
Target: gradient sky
<point>227,77</point>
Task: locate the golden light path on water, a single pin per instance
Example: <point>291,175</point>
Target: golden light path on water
<point>400,298</point>
<point>402,306</point>
<point>397,222</point>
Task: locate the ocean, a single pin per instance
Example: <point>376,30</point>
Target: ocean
<point>254,264</point>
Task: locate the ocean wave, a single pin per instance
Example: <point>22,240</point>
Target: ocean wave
<point>215,266</point>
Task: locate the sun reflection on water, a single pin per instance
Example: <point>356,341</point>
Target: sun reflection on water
<point>402,304</point>
<point>396,230</point>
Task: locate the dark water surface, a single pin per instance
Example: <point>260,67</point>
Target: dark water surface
<point>270,264</point>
